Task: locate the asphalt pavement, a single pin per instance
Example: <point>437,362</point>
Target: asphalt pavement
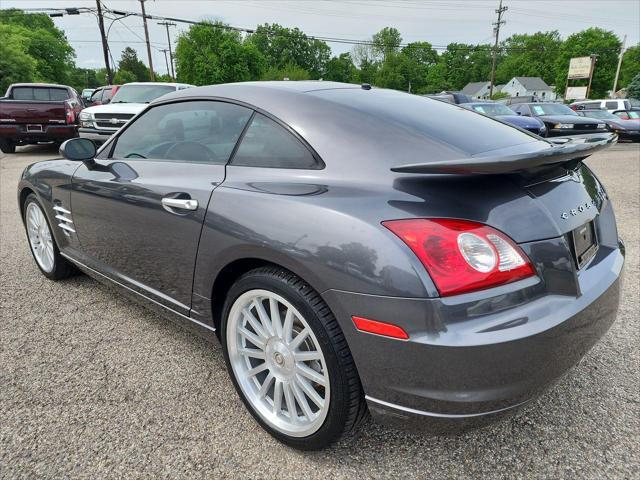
<point>95,386</point>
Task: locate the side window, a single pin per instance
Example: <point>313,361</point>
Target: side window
<point>96,96</point>
<point>267,144</point>
<point>192,131</point>
<point>107,94</point>
<point>611,105</point>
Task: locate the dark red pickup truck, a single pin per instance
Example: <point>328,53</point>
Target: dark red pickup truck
<point>38,112</point>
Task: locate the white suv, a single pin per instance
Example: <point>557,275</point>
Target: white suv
<point>100,122</point>
<point>611,104</point>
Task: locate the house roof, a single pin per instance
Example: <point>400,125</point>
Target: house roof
<point>472,88</point>
<point>533,83</point>
<point>499,87</point>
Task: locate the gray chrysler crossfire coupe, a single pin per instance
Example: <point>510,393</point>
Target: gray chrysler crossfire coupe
<point>355,250</point>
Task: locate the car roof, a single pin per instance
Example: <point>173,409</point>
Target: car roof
<point>170,84</point>
<point>372,127</point>
<point>51,85</point>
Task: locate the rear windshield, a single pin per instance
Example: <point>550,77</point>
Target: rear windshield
<point>141,93</point>
<point>599,114</point>
<point>551,109</point>
<point>39,93</point>
<point>493,109</point>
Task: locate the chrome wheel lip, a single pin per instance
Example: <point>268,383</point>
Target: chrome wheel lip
<point>40,239</point>
<point>279,372</point>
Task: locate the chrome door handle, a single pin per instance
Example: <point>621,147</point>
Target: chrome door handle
<point>179,203</point>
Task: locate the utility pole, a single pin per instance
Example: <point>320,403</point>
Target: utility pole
<point>105,45</point>
<point>146,36</point>
<point>167,25</point>
<point>164,50</point>
<point>494,55</point>
<point>615,82</point>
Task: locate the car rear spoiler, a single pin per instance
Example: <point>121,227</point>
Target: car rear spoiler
<point>563,150</point>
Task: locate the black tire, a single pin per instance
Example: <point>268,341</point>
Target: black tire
<point>7,146</point>
<point>347,407</point>
<point>62,268</point>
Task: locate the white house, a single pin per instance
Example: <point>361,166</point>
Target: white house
<point>477,90</point>
<point>528,86</point>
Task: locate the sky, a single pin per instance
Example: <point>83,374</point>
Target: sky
<point>437,21</point>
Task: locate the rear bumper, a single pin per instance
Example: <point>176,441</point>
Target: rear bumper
<point>19,134</point>
<point>99,136</point>
<point>629,135</point>
<point>467,362</point>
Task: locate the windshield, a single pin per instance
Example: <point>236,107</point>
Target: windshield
<point>633,114</point>
<point>493,109</point>
<point>141,93</point>
<point>551,109</point>
<point>599,114</point>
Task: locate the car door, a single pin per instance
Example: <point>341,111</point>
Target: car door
<point>138,212</point>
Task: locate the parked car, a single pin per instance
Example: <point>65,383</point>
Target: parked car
<point>632,115</point>
<point>451,97</point>
<point>504,113</point>
<point>102,95</point>
<point>100,122</point>
<point>86,94</point>
<point>626,129</point>
<point>611,104</point>
<point>351,248</point>
<point>523,99</point>
<point>559,119</point>
<point>32,113</point>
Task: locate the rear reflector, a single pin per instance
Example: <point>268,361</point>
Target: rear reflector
<point>463,256</point>
<point>379,328</point>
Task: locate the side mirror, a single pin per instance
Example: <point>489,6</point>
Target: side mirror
<point>105,101</point>
<point>519,113</point>
<point>78,150</point>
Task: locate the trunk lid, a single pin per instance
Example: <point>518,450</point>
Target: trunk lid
<point>21,111</point>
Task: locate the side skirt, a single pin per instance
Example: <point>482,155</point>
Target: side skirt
<point>191,324</point>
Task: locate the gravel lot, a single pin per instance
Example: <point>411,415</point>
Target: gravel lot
<point>93,385</point>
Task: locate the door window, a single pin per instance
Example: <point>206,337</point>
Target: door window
<point>194,131</point>
<point>97,95</point>
<point>611,105</point>
<point>268,144</point>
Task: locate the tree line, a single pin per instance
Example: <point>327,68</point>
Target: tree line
<point>33,49</point>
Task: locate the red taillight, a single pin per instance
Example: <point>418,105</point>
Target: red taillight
<point>70,114</point>
<point>463,256</point>
<point>379,328</point>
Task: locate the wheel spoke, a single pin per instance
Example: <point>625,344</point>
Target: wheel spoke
<point>311,374</point>
<point>256,370</point>
<point>264,317</point>
<point>257,327</point>
<point>266,384</point>
<point>291,403</point>
<point>287,328</point>
<point>295,343</point>
<point>252,352</point>
<point>306,356</point>
<point>274,313</point>
<point>310,391</point>
<point>277,397</point>
<point>302,401</point>
<point>251,337</point>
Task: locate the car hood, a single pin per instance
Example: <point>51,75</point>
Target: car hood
<point>519,121</point>
<point>133,108</point>
<point>624,124</point>
<point>570,119</point>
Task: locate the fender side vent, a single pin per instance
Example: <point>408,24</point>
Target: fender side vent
<point>64,220</point>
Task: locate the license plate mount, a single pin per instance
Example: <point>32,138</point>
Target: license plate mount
<point>34,128</point>
<point>585,243</point>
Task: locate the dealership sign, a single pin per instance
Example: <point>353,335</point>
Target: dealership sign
<point>576,93</point>
<point>580,67</point>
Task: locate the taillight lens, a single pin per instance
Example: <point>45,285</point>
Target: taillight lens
<point>463,256</point>
<point>71,116</point>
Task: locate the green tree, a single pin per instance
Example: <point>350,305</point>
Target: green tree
<point>386,43</point>
<point>210,53</point>
<point>633,89</point>
<point>417,59</point>
<point>82,78</point>
<point>16,65</point>
<point>527,55</point>
<point>436,80</point>
<point>124,76</point>
<point>43,42</point>
<point>283,46</point>
<point>130,62</point>
<point>630,66</point>
<point>289,72</point>
<point>466,63</point>
<point>341,69</point>
<point>592,41</point>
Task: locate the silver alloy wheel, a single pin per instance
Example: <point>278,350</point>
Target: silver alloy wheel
<point>277,361</point>
<point>40,237</point>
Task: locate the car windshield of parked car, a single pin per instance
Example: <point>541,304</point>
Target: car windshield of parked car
<point>599,114</point>
<point>493,109</point>
<point>551,109</point>
<point>39,93</point>
<point>141,93</point>
<point>195,132</point>
<point>632,114</point>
